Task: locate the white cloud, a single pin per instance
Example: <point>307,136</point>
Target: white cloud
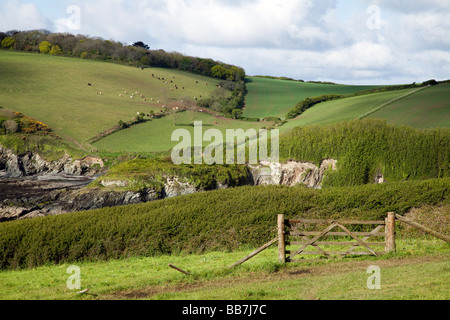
<point>19,16</point>
<point>307,39</point>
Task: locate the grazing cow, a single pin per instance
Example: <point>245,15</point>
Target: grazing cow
<point>90,85</point>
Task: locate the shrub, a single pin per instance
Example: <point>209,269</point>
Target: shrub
<point>45,47</point>
<point>364,148</point>
<point>8,42</point>
<point>56,50</point>
<point>217,220</point>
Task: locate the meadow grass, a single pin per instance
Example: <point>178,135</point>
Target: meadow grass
<point>55,90</point>
<point>428,108</point>
<point>345,109</point>
<point>275,98</point>
<point>419,270</point>
<point>156,135</point>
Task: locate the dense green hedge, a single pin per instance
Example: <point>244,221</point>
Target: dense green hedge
<point>366,148</point>
<point>217,220</point>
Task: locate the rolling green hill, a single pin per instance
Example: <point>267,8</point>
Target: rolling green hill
<point>274,98</point>
<point>55,90</point>
<point>428,108</point>
<point>156,135</point>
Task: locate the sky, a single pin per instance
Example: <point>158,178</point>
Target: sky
<point>343,41</point>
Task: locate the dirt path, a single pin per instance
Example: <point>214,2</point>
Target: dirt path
<point>283,275</point>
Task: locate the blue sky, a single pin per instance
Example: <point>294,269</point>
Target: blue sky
<point>346,41</point>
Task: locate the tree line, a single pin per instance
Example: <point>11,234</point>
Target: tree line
<point>139,54</point>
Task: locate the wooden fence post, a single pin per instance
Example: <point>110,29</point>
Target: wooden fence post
<point>390,233</point>
<point>281,239</point>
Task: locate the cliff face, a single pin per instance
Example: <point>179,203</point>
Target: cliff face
<point>16,166</point>
<point>291,173</point>
<point>32,187</point>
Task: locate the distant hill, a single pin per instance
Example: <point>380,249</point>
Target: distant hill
<point>275,97</point>
<point>80,98</point>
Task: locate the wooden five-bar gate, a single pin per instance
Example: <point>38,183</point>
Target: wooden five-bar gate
<point>290,233</point>
<point>294,234</point>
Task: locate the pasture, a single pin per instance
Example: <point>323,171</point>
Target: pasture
<point>428,108</point>
<point>55,91</point>
<point>274,98</point>
<point>350,108</point>
<point>417,271</point>
<point>155,136</point>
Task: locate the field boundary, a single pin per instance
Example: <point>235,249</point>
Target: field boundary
<point>289,230</point>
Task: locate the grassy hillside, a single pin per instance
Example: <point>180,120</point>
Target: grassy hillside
<point>55,91</point>
<point>428,108</point>
<point>274,98</point>
<point>344,109</point>
<point>217,220</point>
<point>156,135</point>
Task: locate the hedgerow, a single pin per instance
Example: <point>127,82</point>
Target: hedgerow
<point>367,148</point>
<point>217,220</point>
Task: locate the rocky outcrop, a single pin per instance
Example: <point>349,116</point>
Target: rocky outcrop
<point>40,188</point>
<point>291,173</point>
<point>29,164</point>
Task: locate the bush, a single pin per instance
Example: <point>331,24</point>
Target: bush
<point>8,42</point>
<point>366,148</point>
<point>56,50</point>
<point>45,47</point>
<point>217,220</point>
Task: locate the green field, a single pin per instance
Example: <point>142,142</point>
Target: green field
<point>55,90</point>
<point>357,107</point>
<point>156,135</point>
<point>274,98</point>
<point>418,271</point>
<point>429,108</point>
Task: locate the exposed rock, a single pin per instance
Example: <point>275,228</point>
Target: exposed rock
<point>115,183</point>
<point>15,166</point>
<point>291,173</point>
<point>175,188</point>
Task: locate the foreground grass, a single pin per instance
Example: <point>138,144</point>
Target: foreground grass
<point>419,270</point>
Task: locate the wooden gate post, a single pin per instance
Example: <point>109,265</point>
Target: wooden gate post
<point>390,233</point>
<point>281,239</point>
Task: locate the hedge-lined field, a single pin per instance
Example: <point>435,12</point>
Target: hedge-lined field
<point>275,98</point>
<point>367,148</point>
<point>217,220</point>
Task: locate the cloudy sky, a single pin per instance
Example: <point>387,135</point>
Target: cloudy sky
<point>345,41</point>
